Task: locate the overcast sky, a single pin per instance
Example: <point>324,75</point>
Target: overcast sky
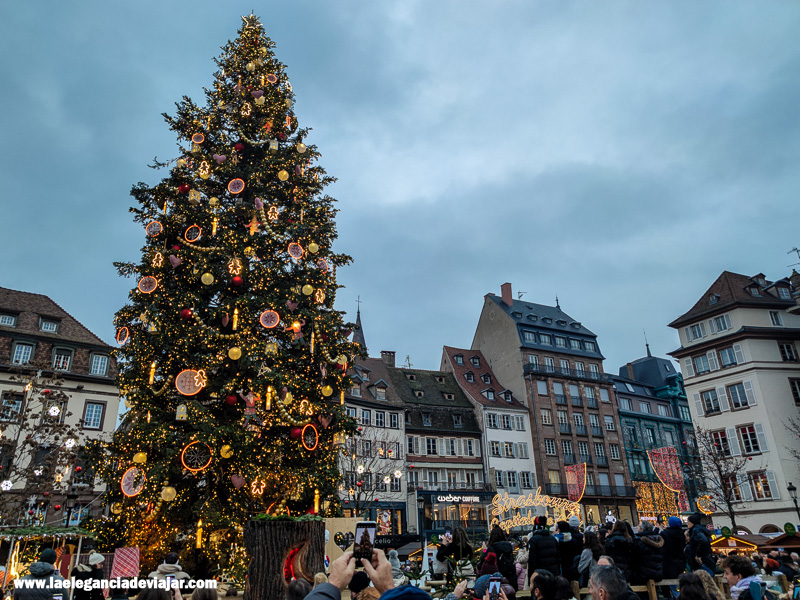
<point>619,155</point>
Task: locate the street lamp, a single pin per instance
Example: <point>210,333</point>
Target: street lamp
<point>793,495</point>
<point>420,507</point>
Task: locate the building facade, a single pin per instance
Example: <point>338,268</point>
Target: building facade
<point>39,336</point>
<point>654,413</point>
<point>444,459</point>
<point>554,363</point>
<point>505,422</point>
<point>739,357</point>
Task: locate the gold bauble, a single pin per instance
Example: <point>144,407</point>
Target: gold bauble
<point>327,390</point>
<point>251,67</point>
<point>249,251</point>
<point>283,175</point>
<point>313,248</point>
<point>235,353</point>
<point>140,457</point>
<point>288,103</point>
<point>207,278</point>
<point>301,147</point>
<point>116,508</point>
<point>308,289</point>
<point>262,51</point>
<point>341,359</point>
<point>213,201</point>
<point>181,163</point>
<point>168,493</point>
<point>226,451</point>
<point>221,104</point>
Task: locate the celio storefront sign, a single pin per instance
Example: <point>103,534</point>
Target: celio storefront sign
<point>503,504</point>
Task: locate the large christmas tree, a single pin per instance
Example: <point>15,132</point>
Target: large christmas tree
<point>232,357</point>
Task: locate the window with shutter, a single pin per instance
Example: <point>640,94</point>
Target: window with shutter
<point>688,367</point>
<point>748,391</point>
<point>762,437</point>
<point>744,488</point>
<point>723,399</point>
<point>773,485</point>
<point>712,360</point>
<point>733,442</point>
<point>737,351</point>
<point>698,403</point>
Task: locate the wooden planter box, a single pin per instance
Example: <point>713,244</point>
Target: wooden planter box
<point>270,543</point>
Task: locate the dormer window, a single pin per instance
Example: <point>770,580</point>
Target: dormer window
<point>62,358</point>
<point>532,317</point>
<point>469,377</point>
<point>459,358</point>
<point>489,394</point>
<point>561,322</point>
<point>411,377</point>
<point>419,394</point>
<point>508,397</point>
<point>783,293</point>
<point>426,419</point>
<point>476,362</point>
<point>439,379</point>
<point>575,325</point>
<point>457,421</point>
<point>590,346</point>
<point>448,396</point>
<point>516,315</point>
<point>380,393</point>
<point>754,290</point>
<point>486,378</point>
<point>355,391</point>
<point>547,320</point>
<point>8,320</point>
<point>713,299</point>
<point>48,326</point>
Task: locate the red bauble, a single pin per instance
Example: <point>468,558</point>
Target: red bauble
<point>57,507</point>
<point>30,512</point>
<point>282,136</point>
<point>295,433</point>
<point>45,392</point>
<point>358,483</point>
<point>78,469</point>
<point>230,399</point>
<point>186,314</point>
<point>183,188</point>
<point>239,146</point>
<point>176,248</point>
<point>410,466</point>
<point>46,494</point>
<point>237,281</point>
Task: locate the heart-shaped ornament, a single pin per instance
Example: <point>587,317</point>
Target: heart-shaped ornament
<point>339,540</point>
<point>238,481</point>
<point>220,158</point>
<point>225,320</point>
<point>349,538</point>
<point>324,421</point>
<point>259,203</point>
<point>257,93</point>
<point>174,261</point>
<point>291,305</point>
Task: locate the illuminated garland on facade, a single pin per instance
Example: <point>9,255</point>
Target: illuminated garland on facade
<point>655,501</point>
<point>576,481</point>
<point>667,467</point>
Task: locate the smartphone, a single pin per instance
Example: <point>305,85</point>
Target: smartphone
<point>365,539</point>
<point>170,579</point>
<point>58,597</point>
<point>494,588</point>
<point>448,536</point>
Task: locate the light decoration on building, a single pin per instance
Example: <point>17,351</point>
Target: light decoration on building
<point>654,500</point>
<point>705,505</point>
<point>576,481</point>
<point>667,467</point>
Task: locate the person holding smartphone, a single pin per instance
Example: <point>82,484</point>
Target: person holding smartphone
<point>740,573</point>
<point>43,569</point>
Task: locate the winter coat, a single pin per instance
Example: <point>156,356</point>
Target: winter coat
<point>620,549</point>
<point>164,569</point>
<point>672,552</point>
<point>505,560</point>
<point>699,547</point>
<point>521,574</point>
<point>543,553</point>
<point>47,572</point>
<point>86,573</point>
<point>586,565</point>
<point>647,563</point>
<point>569,549</point>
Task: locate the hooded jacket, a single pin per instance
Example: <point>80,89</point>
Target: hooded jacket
<point>648,557</point>
<point>672,552</point>
<point>570,547</point>
<point>699,547</point>
<point>40,570</point>
<point>505,560</point>
<point>87,572</point>
<point>620,549</point>
<point>164,569</point>
<point>543,553</point>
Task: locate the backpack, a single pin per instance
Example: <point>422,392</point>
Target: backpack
<point>506,565</point>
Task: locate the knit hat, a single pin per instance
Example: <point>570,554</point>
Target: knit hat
<point>96,559</point>
<point>540,521</point>
<point>406,592</point>
<point>482,583</point>
<point>491,558</point>
<point>49,556</point>
<point>675,522</point>
<point>393,560</point>
<point>574,521</point>
<point>696,518</point>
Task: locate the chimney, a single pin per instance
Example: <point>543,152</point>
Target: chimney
<point>505,293</point>
<point>630,371</point>
<point>387,356</point>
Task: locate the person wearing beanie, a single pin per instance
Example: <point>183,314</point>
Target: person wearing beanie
<point>543,549</point>
<point>570,546</point>
<point>489,565</point>
<point>574,522</point>
<point>170,567</point>
<point>92,569</point>
<point>674,544</point>
<point>698,550</point>
<point>397,573</point>
<point>45,570</point>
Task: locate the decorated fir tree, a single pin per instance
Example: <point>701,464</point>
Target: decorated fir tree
<point>232,357</point>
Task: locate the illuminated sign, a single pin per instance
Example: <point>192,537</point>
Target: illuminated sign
<point>451,498</point>
<point>503,504</point>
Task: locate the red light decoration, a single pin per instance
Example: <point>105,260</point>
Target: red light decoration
<point>576,481</point>
<point>667,467</point>
<point>122,335</point>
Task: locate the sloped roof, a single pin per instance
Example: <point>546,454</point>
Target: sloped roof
<point>542,311</point>
<point>652,370</point>
<point>29,307</point>
<point>377,371</point>
<point>728,291</point>
<point>474,389</point>
<point>433,401</point>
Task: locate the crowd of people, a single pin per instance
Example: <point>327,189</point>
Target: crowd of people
<point>608,560</point>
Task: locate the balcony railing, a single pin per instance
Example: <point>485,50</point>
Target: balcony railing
<point>584,458</point>
<point>602,461</point>
<point>591,402</point>
<point>616,491</point>
<point>581,429</point>
<point>597,431</point>
<point>561,399</point>
<point>576,401</point>
<point>555,488</point>
<point>572,373</point>
<point>569,459</point>
<point>565,428</point>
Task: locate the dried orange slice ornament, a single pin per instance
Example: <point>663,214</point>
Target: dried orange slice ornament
<point>198,138</point>
<point>133,481</point>
<point>236,186</point>
<point>295,250</point>
<point>269,319</point>
<point>147,284</point>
